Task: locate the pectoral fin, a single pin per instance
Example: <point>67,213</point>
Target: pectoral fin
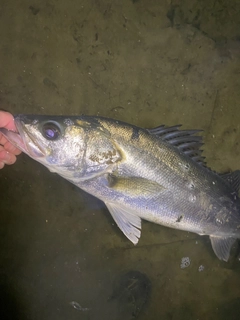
<point>222,246</point>
<point>127,221</point>
<point>135,186</point>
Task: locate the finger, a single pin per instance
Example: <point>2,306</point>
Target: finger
<point>8,145</point>
<point>11,148</point>
<point>7,121</point>
<point>3,140</point>
<point>7,158</point>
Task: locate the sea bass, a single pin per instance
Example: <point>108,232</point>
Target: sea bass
<point>154,174</point>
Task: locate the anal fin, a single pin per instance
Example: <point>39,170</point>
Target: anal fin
<point>222,246</point>
<point>128,222</point>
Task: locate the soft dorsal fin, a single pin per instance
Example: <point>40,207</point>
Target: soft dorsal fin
<point>233,179</point>
<point>185,140</point>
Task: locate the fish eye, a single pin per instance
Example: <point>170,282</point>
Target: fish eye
<point>51,131</point>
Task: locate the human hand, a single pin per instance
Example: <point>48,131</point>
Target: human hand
<point>8,151</point>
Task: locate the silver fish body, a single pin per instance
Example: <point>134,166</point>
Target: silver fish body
<point>152,174</point>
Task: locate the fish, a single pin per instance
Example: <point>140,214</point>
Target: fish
<point>158,174</point>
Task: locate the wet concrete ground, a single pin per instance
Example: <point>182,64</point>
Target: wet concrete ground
<point>147,63</point>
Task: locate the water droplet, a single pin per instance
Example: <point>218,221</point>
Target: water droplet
<point>185,262</point>
<point>191,186</point>
<point>192,198</point>
<point>77,306</point>
<point>219,221</point>
<point>201,268</point>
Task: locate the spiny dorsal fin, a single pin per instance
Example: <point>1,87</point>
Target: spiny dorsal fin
<point>185,140</point>
<point>233,179</point>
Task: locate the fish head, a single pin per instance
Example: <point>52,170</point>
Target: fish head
<point>74,147</point>
<point>57,142</point>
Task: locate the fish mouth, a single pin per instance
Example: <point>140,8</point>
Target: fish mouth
<point>23,139</point>
<point>31,146</point>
